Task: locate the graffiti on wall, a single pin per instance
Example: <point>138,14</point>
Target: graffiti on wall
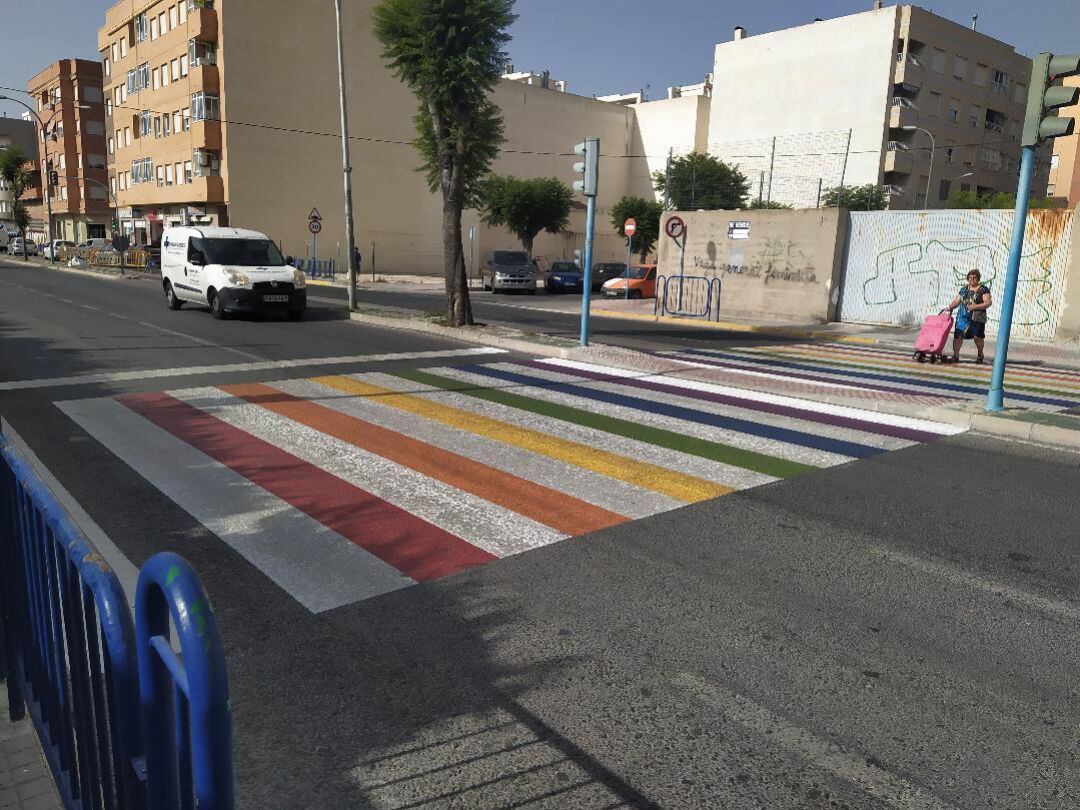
<point>775,260</point>
<point>902,266</point>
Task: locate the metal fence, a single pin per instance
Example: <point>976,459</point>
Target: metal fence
<point>316,268</point>
<point>688,297</point>
<point>74,659</point>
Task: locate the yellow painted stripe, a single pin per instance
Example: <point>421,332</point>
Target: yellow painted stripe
<point>687,488</point>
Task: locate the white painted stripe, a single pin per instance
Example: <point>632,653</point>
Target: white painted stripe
<point>676,358</point>
<point>125,570</point>
<point>233,368</point>
<point>473,519</point>
<point>585,485</point>
<point>201,341</point>
<point>729,436</point>
<point>725,474</point>
<point>316,566</point>
<point>776,399</point>
<point>852,767</point>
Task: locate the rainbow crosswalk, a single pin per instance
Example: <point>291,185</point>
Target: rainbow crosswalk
<point>889,374</point>
<point>342,488</point>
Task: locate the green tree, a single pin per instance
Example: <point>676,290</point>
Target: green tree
<point>997,200</point>
<point>15,172</point>
<point>964,199</point>
<point>450,54</point>
<point>699,181</point>
<point>855,198</point>
<point>526,207</point>
<point>647,213</point>
<point>769,205</point>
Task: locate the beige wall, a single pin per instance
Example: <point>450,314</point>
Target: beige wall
<point>677,124</point>
<point>1066,177</point>
<point>280,61</point>
<point>788,269</point>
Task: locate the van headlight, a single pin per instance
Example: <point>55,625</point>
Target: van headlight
<point>299,280</point>
<point>237,279</point>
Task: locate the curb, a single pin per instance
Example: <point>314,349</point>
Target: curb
<point>728,326</point>
<point>46,265</point>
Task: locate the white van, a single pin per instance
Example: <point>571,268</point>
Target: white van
<point>229,270</point>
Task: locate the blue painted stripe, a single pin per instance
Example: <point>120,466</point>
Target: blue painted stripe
<point>794,437</point>
<point>866,375</point>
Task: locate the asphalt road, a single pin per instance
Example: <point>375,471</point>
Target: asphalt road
<point>897,632</point>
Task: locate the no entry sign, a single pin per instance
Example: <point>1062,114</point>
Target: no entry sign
<point>630,227</point>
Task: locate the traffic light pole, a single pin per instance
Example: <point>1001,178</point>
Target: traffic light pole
<point>586,290</point>
<point>995,397</point>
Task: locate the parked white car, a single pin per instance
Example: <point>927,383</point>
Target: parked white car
<point>229,270</point>
<point>56,247</point>
<point>15,247</point>
<point>97,243</point>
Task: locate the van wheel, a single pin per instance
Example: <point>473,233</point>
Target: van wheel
<point>216,307</point>
<point>170,297</point>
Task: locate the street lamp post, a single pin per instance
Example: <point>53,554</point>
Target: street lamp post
<point>933,148</point>
<point>346,165</point>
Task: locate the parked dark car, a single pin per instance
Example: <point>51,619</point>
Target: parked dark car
<point>504,270</point>
<point>564,276</point>
<point>605,271</point>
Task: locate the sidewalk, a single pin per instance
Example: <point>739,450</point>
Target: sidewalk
<point>25,780</point>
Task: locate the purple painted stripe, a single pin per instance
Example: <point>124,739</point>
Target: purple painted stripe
<point>750,404</point>
<point>857,384</point>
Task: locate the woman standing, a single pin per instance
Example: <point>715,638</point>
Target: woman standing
<point>973,300</point>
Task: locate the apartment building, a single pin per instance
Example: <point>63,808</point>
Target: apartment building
<point>21,135</point>
<point>227,113</point>
<point>851,101</point>
<point>1065,161</point>
<point>163,99</point>
<point>70,103</point>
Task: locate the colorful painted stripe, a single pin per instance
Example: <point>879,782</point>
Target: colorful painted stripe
<point>539,503</point>
<point>685,488</point>
<point>411,545</point>
<point>756,405</point>
<point>862,375</point>
<point>759,462</point>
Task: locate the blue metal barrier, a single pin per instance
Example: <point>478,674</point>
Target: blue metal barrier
<point>186,717</point>
<point>694,297</point>
<point>73,658</point>
<point>316,268</point>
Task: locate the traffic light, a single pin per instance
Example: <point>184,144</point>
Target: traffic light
<point>1044,98</point>
<point>589,169</point>
<point>54,178</point>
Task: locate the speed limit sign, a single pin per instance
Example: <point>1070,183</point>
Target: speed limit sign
<point>314,226</point>
<point>675,227</point>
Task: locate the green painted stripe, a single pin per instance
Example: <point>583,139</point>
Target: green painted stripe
<point>725,454</point>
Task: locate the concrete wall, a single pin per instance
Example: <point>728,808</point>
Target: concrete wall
<point>787,268</point>
<point>679,124</point>
<point>1069,321</point>
<point>904,265</point>
<point>807,85</point>
<point>282,73</point>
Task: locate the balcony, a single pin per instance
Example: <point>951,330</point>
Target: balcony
<point>908,72</point>
<point>903,112</point>
<point>199,190</point>
<point>206,78</point>
<point>206,134</point>
<point>899,160</point>
<point>203,23</point>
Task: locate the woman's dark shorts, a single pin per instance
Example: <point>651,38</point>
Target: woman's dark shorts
<point>974,330</point>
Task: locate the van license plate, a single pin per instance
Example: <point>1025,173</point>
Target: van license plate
<point>275,299</point>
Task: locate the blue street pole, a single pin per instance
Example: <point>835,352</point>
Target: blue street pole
<point>586,292</point>
<point>995,397</point>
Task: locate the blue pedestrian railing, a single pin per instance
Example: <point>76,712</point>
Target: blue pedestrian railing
<point>73,658</point>
<point>688,297</point>
<point>316,268</point>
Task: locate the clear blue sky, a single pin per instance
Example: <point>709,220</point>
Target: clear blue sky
<point>598,46</point>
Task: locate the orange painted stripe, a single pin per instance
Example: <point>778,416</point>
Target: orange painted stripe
<point>561,512</point>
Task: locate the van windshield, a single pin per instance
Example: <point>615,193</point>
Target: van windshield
<point>513,257</point>
<point>242,252</point>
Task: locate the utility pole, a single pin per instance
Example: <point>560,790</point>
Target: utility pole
<point>346,165</point>
<point>1039,123</point>
<point>667,178</point>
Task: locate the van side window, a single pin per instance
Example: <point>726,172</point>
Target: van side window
<point>195,245</point>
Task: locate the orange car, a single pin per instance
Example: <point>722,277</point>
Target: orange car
<point>642,283</point>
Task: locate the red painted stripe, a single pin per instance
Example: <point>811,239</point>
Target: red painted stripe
<point>413,546</point>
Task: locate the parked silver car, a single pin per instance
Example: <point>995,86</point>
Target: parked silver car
<point>508,270</point>
<point>15,247</point>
